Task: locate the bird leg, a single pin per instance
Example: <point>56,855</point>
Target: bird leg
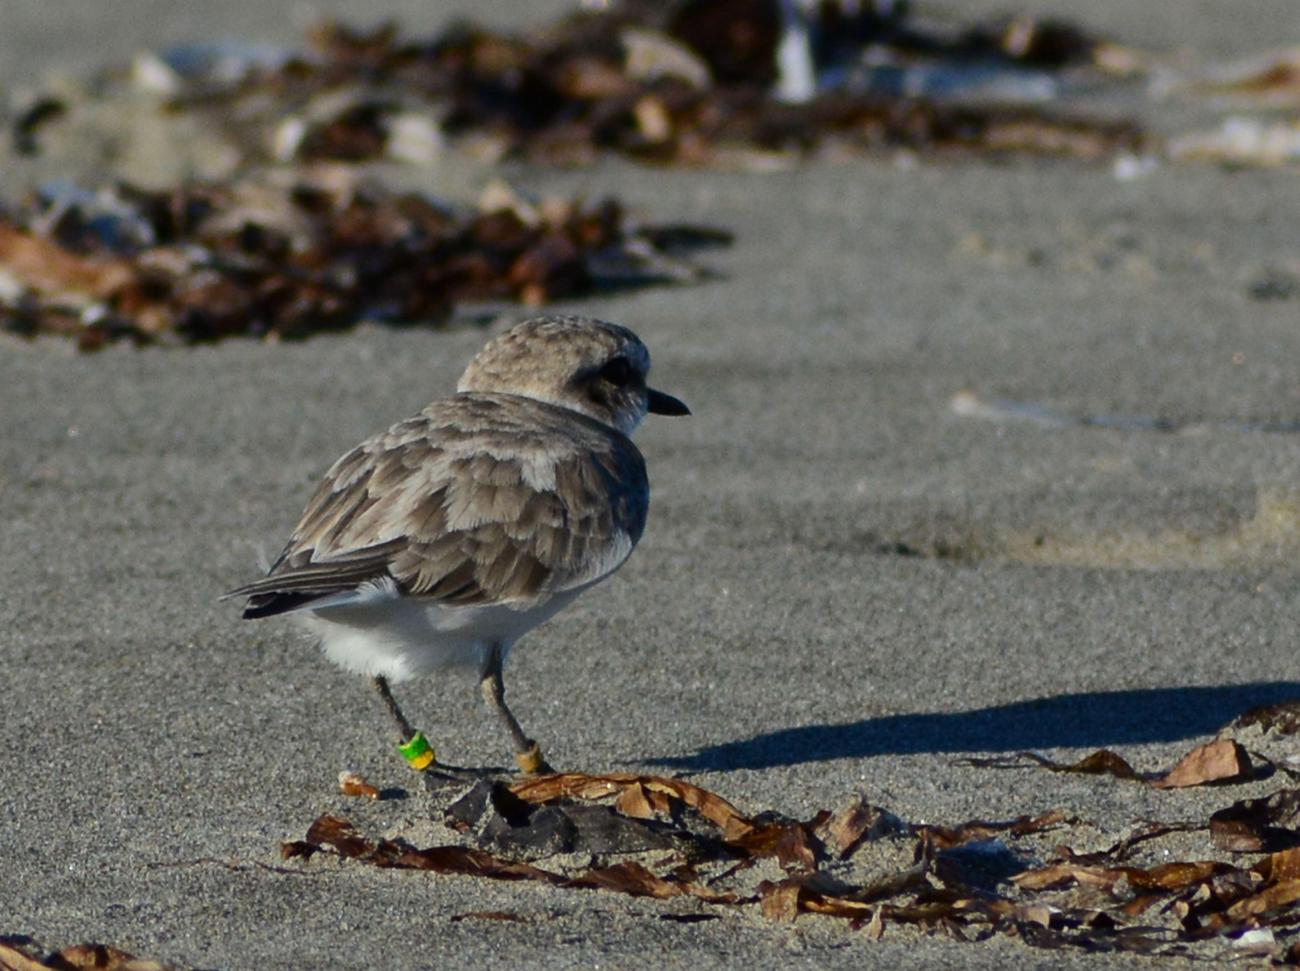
<point>415,748</point>
<point>528,754</point>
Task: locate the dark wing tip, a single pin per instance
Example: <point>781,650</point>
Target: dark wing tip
<point>270,604</point>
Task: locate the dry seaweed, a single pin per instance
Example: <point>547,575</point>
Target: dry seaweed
<point>969,880</point>
<point>698,83</point>
<point>1258,825</point>
<point>1101,762</point>
<point>22,954</point>
<point>288,257</point>
<point>1222,761</point>
<point>1283,718</point>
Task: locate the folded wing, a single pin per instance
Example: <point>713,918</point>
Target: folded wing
<point>479,499</point>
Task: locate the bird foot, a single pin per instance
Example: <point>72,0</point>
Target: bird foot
<point>532,762</point>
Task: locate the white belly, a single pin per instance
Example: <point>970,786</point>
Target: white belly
<point>401,638</point>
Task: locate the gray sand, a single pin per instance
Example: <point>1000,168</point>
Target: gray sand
<point>1099,587</point>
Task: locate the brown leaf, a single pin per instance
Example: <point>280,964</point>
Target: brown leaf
<point>1101,762</point>
<point>634,801</point>
<point>45,266</point>
<point>1222,760</point>
<point>812,893</point>
<point>469,862</point>
<point>343,837</point>
<point>780,901</point>
<point>81,957</point>
<point>947,837</point>
<point>1062,874</point>
<point>1176,876</point>
<point>340,834</point>
<point>1279,867</point>
<point>1252,825</point>
<point>796,850</point>
<point>1167,876</point>
<point>352,784</point>
<point>857,822</point>
<point>1276,897</point>
<point>579,785</point>
<point>832,906</point>
<point>291,849</point>
<point>636,880</point>
<point>1141,904</point>
<point>101,957</point>
<point>630,878</point>
<point>1282,718</point>
<point>792,843</point>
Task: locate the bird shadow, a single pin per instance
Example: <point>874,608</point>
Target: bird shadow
<point>1084,720</point>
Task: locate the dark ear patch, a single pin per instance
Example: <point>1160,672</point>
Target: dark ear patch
<point>618,372</point>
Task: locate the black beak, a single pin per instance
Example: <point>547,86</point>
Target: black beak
<point>665,404</point>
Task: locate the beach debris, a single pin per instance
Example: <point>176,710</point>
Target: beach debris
<point>1240,140</point>
<point>1267,80</point>
<point>21,953</point>
<point>1222,760</point>
<point>1283,718</point>
<point>352,784</point>
<point>1101,762</point>
<point>1219,761</point>
<point>295,253</point>
<point>972,880</point>
<point>750,84</point>
<point>735,83</point>
<point>856,823</point>
<point>1259,825</point>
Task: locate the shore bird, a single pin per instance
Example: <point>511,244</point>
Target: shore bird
<point>443,540</point>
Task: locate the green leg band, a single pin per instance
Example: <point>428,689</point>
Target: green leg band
<point>417,751</point>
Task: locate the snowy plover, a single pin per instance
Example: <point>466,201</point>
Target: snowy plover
<point>443,540</point>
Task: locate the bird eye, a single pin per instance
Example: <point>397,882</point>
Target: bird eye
<point>617,372</point>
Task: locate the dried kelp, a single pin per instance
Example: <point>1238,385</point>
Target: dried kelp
<point>286,257</point>
<point>23,954</point>
<point>707,82</point>
<point>970,880</point>
<point>1283,718</point>
<point>1259,825</point>
<point>1218,762</point>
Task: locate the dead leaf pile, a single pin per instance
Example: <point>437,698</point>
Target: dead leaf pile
<point>285,257</point>
<point>662,838</point>
<point>694,83</point>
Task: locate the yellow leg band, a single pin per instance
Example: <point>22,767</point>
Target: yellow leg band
<point>531,762</point>
<point>417,751</point>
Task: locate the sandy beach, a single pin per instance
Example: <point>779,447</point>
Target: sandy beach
<point>868,556</point>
